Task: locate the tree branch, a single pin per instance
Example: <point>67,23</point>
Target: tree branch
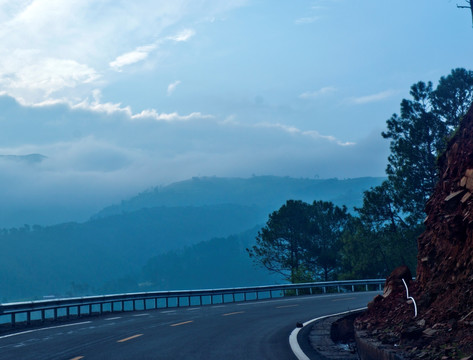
<point>470,6</point>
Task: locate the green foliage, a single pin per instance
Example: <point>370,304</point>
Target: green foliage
<point>370,253</point>
<point>419,134</point>
<point>281,245</point>
<point>327,223</point>
<point>453,96</point>
<point>301,241</point>
<point>385,233</point>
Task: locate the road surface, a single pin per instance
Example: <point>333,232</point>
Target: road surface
<point>251,330</point>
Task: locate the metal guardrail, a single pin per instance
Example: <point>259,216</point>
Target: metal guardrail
<point>55,309</point>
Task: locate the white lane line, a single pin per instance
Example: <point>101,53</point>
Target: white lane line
<point>141,315</point>
<point>113,318</point>
<point>129,338</point>
<point>168,312</point>
<point>234,313</point>
<point>42,329</point>
<point>192,309</point>
<point>296,349</point>
<point>286,306</point>
<point>344,299</point>
<point>182,323</point>
<point>218,306</point>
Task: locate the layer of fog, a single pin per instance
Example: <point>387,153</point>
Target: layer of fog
<point>94,158</point>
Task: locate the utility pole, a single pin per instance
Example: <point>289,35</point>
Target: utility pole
<point>469,6</point>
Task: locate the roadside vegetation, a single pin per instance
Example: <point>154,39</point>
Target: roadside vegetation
<point>321,241</point>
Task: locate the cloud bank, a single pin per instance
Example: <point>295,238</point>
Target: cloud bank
<point>50,47</point>
<point>94,158</point>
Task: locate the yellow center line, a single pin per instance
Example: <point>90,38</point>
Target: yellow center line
<point>182,323</point>
<point>77,358</point>
<point>129,338</point>
<point>286,306</point>
<point>233,313</point>
<point>350,298</point>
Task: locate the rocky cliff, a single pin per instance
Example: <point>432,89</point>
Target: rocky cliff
<point>445,260</point>
<point>443,290</point>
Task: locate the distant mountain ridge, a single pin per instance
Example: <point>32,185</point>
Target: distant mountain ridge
<point>267,192</point>
<point>168,237</point>
<point>30,158</point>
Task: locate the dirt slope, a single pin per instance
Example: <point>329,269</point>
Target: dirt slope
<point>443,290</point>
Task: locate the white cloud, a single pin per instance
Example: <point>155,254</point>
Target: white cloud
<point>316,94</point>
<point>306,20</point>
<point>172,87</point>
<point>139,54</point>
<point>383,95</point>
<point>310,133</point>
<point>107,108</point>
<point>153,114</point>
<point>184,35</point>
<point>142,52</point>
<point>52,49</point>
<point>29,76</point>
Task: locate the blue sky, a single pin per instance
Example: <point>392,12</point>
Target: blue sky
<point>124,95</point>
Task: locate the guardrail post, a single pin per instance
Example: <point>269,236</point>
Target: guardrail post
<point>88,303</point>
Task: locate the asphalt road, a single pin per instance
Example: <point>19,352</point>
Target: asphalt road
<point>251,330</point>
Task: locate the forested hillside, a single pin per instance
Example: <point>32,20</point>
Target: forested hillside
<point>159,229</point>
<point>220,262</point>
<point>37,261</point>
<point>267,192</point>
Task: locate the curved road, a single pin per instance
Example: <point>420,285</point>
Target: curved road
<point>251,330</point>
